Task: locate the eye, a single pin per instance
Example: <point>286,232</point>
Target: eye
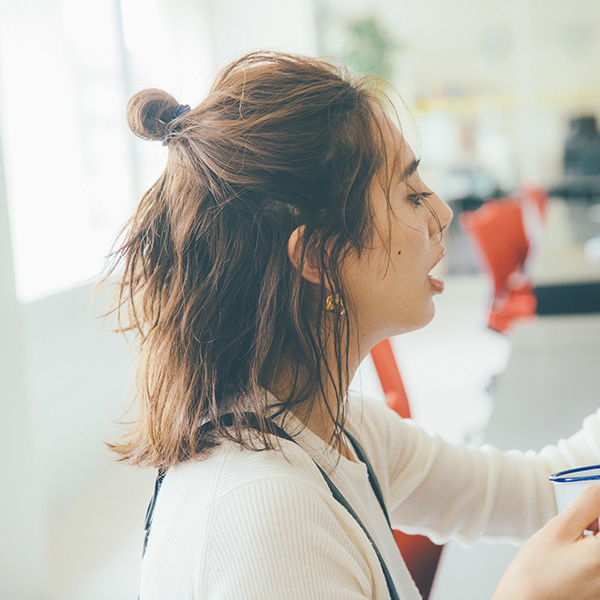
<point>417,199</point>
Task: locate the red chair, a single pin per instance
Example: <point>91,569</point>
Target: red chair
<point>498,232</point>
<point>537,196</point>
<point>420,554</point>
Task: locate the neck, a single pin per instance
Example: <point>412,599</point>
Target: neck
<point>315,413</point>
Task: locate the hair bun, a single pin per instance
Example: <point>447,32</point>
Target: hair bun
<point>149,112</point>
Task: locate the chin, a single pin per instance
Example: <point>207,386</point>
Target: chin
<point>409,323</point>
<point>415,326</point>
<point>423,320</point>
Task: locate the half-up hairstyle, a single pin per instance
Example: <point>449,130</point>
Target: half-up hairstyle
<point>281,141</point>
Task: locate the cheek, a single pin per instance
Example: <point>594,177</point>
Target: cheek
<point>412,248</point>
<point>365,279</point>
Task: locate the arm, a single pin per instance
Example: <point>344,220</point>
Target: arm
<point>449,491</point>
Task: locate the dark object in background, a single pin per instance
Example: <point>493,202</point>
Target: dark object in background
<point>568,299</point>
<point>581,163</point>
<point>582,148</point>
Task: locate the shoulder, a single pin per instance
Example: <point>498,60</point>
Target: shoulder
<point>282,538</point>
<point>374,422</point>
<point>390,442</point>
<point>192,490</point>
<point>200,483</point>
<point>226,517</point>
<point>377,427</point>
<point>368,413</point>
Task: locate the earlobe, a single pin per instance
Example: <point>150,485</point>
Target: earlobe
<point>308,264</point>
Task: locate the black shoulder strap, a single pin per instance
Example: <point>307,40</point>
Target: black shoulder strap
<point>372,478</point>
<point>150,511</point>
<point>252,421</point>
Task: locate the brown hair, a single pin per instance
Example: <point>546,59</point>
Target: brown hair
<point>280,141</point>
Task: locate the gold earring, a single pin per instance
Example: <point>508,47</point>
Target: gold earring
<point>334,303</point>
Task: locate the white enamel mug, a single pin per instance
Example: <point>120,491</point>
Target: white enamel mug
<point>568,485</point>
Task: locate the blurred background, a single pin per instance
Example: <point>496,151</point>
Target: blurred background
<point>503,99</point>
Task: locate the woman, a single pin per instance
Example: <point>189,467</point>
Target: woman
<point>288,234</point>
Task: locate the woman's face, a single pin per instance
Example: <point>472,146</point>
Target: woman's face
<point>389,286</point>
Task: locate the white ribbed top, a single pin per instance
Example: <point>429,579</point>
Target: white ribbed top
<point>263,525</point>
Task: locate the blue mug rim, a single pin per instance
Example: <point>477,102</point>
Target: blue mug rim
<point>567,476</point>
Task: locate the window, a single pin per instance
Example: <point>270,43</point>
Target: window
<point>73,170</point>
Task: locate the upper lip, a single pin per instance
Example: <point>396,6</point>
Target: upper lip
<point>442,254</point>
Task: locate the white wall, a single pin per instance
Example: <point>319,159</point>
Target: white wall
<point>71,517</point>
<point>80,375</point>
<point>22,551</point>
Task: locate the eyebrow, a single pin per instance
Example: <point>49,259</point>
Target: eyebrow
<point>414,165</point>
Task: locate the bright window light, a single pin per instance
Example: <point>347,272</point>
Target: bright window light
<point>66,157</point>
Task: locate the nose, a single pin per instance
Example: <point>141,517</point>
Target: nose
<point>446,214</point>
<point>442,215</point>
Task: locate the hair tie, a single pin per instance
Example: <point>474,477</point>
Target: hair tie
<point>178,111</point>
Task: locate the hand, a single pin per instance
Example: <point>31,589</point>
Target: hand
<point>558,562</point>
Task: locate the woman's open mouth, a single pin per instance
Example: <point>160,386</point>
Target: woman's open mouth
<point>436,283</point>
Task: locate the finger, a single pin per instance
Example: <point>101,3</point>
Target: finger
<point>582,512</point>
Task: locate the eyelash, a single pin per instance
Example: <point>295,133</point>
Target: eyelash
<point>417,199</point>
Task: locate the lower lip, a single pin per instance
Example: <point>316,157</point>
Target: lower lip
<point>436,283</point>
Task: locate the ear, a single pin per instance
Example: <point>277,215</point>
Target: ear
<point>310,268</point>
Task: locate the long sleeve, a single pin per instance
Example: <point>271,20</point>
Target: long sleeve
<point>450,491</point>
